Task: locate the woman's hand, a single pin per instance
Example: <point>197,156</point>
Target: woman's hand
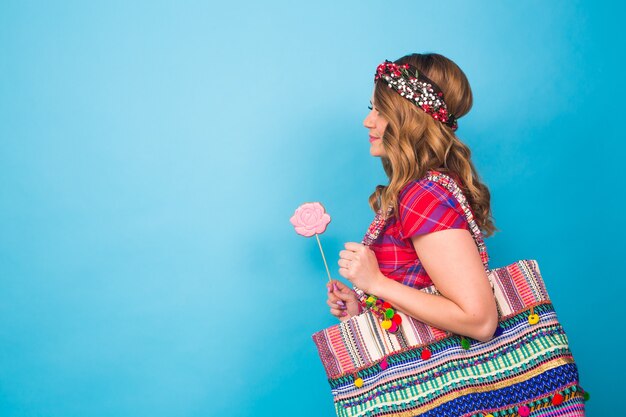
<point>342,301</point>
<point>358,264</point>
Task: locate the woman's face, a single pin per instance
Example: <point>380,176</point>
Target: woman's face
<point>376,124</point>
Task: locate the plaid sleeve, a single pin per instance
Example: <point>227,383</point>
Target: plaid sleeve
<point>427,207</point>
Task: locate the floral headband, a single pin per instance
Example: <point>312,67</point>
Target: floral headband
<point>418,89</point>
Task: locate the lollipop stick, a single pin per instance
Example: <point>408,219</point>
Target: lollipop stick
<point>323,257</point>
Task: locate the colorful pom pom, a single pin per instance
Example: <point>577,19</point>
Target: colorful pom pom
<point>557,399</point>
<point>465,343</point>
<point>533,319</point>
<point>393,328</point>
<point>523,411</point>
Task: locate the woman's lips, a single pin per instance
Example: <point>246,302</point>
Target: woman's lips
<point>373,138</point>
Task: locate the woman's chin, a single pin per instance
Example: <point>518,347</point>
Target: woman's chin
<point>376,151</point>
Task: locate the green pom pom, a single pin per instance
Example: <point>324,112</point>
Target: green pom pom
<point>465,343</point>
<point>389,313</point>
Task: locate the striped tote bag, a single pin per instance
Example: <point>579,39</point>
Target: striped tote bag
<point>527,369</point>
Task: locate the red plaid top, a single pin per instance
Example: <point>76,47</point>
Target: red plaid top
<point>424,207</point>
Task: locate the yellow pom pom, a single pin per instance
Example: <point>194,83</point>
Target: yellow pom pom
<point>358,382</point>
<point>385,324</point>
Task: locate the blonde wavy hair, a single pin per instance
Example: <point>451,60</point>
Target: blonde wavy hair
<point>415,143</point>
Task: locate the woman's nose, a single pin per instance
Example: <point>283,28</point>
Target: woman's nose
<point>368,122</point>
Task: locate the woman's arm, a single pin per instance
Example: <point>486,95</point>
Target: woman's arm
<point>466,305</point>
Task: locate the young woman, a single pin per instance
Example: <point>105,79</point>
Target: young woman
<point>426,239</point>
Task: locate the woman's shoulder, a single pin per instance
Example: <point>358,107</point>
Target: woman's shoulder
<point>425,206</point>
<point>425,189</point>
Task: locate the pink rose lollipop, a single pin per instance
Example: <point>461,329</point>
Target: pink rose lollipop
<point>311,219</point>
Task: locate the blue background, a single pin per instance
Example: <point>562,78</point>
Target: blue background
<point>151,154</point>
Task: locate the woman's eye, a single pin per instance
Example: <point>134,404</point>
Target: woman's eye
<point>370,107</point>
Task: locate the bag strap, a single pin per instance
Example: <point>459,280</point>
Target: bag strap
<point>377,226</point>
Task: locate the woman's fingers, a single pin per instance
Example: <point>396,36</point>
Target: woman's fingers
<point>339,286</point>
<point>353,247</point>
<point>338,305</point>
<point>333,300</point>
<point>342,300</point>
<point>337,310</point>
<point>342,291</point>
<point>346,254</point>
<point>336,298</point>
<point>338,313</point>
<point>344,272</point>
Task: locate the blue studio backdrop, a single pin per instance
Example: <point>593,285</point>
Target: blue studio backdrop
<point>152,152</point>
